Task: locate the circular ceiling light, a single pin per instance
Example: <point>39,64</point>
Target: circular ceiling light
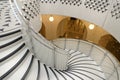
<point>51,18</point>
<point>91,26</point>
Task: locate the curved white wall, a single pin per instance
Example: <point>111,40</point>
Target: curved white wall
<point>105,19</point>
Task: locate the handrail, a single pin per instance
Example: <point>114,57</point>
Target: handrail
<point>52,46</point>
<point>94,45</point>
<point>30,31</point>
<point>20,15</point>
<point>85,41</point>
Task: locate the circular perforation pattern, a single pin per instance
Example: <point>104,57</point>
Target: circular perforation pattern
<point>48,1</point>
<point>30,9</point>
<point>71,2</point>
<point>116,11</point>
<point>97,5</point>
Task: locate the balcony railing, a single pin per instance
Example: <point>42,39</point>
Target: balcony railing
<point>108,63</point>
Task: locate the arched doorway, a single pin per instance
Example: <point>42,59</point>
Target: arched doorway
<point>72,28</point>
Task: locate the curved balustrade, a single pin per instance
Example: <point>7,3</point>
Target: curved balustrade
<point>48,53</point>
<point>85,59</point>
<point>42,48</point>
<point>108,63</point>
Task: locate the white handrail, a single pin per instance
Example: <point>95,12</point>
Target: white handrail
<point>35,37</point>
<point>64,43</point>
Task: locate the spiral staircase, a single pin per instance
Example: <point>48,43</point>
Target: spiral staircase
<point>26,55</point>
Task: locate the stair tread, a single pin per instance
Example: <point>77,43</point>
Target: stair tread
<point>19,73</point>
<point>33,71</point>
<point>8,51</point>
<point>9,33</point>
<point>8,65</point>
<point>9,40</point>
<point>43,74</point>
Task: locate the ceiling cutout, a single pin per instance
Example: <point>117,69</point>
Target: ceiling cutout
<point>48,1</point>
<point>30,9</point>
<point>71,2</point>
<point>116,11</point>
<point>97,5</point>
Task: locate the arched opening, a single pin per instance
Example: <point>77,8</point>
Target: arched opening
<point>72,28</point>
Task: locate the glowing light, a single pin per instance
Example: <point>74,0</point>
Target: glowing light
<point>91,26</point>
<point>51,18</point>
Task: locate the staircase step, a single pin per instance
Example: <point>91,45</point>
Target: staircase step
<point>60,75</point>
<point>67,76</point>
<point>32,75</point>
<point>3,42</point>
<point>10,36</point>
<point>43,73</point>
<point>10,65</point>
<point>80,74</point>
<point>10,50</point>
<point>28,69</point>
<point>20,72</point>
<point>11,42</point>
<point>38,74</point>
<point>12,53</point>
<point>76,77</point>
<point>9,33</point>
<point>51,74</point>
<point>94,76</point>
<point>55,74</point>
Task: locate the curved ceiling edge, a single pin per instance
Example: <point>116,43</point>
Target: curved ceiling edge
<point>104,15</point>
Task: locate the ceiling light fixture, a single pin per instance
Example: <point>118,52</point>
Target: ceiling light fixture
<point>91,26</point>
<point>51,18</point>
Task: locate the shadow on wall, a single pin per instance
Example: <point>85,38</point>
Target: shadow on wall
<point>43,30</point>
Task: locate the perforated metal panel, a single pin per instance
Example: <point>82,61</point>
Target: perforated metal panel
<point>116,11</point>
<point>97,5</point>
<point>71,2</point>
<point>48,1</point>
<point>30,9</point>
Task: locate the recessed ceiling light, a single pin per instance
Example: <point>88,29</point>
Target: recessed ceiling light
<point>91,26</point>
<point>51,18</point>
